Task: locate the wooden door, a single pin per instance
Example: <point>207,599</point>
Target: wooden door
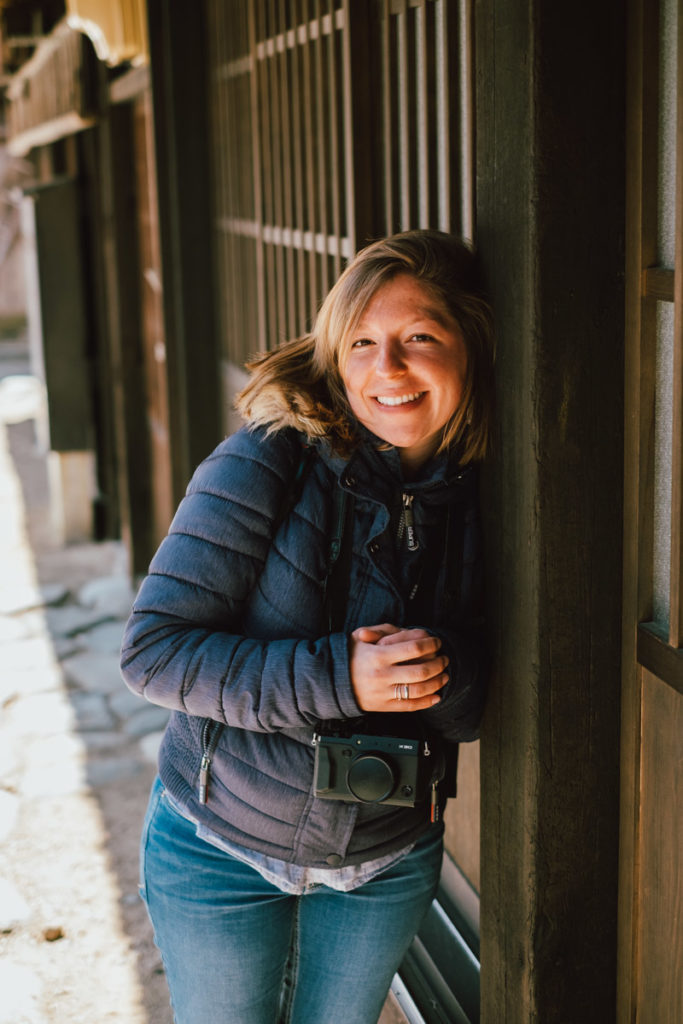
<point>650,989</point>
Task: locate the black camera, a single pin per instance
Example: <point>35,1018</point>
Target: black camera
<point>371,769</point>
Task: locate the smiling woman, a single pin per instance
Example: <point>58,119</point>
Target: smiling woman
<point>405,369</point>
<point>302,383</point>
<point>314,618</point>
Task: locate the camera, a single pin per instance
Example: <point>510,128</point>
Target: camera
<point>371,769</point>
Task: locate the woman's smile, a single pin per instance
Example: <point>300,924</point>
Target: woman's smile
<point>404,368</point>
<point>392,400</point>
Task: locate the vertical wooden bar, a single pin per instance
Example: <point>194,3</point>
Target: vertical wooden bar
<point>268,200</point>
<point>180,112</point>
<point>322,155</point>
<point>276,183</point>
<point>310,100</point>
<point>421,132</point>
<point>676,591</point>
<point>257,158</point>
<point>335,156</point>
<point>289,295</point>
<point>362,126</point>
<point>467,180</point>
<point>387,107</point>
<point>229,176</point>
<point>404,148</point>
<point>298,98</point>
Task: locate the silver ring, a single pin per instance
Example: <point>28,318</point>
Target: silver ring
<point>406,692</point>
<point>397,692</point>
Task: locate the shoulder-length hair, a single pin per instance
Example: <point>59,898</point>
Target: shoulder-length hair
<point>300,383</point>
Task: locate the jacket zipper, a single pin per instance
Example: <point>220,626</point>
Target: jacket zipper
<point>407,524</point>
<point>209,744</point>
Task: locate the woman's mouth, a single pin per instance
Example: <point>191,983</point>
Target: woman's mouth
<point>393,400</point>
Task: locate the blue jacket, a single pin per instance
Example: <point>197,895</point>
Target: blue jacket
<point>227,628</point>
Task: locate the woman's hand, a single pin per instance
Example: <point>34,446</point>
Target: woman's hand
<point>385,660</point>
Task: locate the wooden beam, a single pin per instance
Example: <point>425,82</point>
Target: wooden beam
<point>548,141</point>
<point>177,41</point>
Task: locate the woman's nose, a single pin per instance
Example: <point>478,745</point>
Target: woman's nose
<point>390,359</point>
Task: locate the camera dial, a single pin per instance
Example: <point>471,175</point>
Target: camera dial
<point>370,778</point>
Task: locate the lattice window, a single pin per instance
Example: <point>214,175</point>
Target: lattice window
<point>334,121</point>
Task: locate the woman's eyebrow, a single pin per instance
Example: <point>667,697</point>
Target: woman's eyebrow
<point>433,313</point>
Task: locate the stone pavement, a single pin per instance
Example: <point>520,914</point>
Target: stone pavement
<point>77,754</point>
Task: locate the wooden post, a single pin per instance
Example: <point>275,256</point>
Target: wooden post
<point>550,166</point>
<point>183,175</point>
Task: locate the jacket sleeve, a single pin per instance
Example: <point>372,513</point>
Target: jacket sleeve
<point>182,647</point>
<point>457,717</point>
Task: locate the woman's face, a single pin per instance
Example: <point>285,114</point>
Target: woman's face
<point>404,368</point>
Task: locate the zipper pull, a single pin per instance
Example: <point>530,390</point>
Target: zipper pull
<point>409,521</point>
<point>204,778</point>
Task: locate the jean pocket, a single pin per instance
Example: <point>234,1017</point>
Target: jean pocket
<point>155,796</point>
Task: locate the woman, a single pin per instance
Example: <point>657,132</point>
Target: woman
<point>313,619</point>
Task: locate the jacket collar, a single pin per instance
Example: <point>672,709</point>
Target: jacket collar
<point>374,471</point>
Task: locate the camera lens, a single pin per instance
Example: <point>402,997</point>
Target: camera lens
<point>370,778</point>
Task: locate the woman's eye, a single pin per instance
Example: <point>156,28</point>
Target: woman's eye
<point>422,337</point>
<point>361,342</point>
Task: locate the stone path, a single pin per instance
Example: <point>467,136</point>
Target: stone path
<point>77,754</point>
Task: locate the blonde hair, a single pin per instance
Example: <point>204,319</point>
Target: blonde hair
<point>300,383</point>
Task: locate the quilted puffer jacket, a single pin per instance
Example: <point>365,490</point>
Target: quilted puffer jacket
<point>227,631</point>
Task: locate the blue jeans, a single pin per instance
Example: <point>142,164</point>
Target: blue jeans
<point>237,950</point>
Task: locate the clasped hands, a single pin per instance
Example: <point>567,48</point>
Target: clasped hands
<point>395,669</point>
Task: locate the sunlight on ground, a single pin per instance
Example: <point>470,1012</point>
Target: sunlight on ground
<point>64,955</point>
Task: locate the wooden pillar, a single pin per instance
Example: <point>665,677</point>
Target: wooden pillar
<point>550,166</point>
<point>181,110</point>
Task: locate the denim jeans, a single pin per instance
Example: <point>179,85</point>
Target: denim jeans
<point>238,950</point>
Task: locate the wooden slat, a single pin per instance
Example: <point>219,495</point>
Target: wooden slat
<point>444,117</point>
<point>267,196</point>
<point>362,123</point>
<point>256,135</point>
<point>404,122</point>
<point>298,97</point>
<point>334,115</point>
<point>467,196</point>
<point>309,150</point>
<point>276,186</point>
<point>322,219</point>
<point>285,133</point>
<point>228,171</point>
<point>676,592</point>
<point>387,117</point>
<point>421,133</point>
